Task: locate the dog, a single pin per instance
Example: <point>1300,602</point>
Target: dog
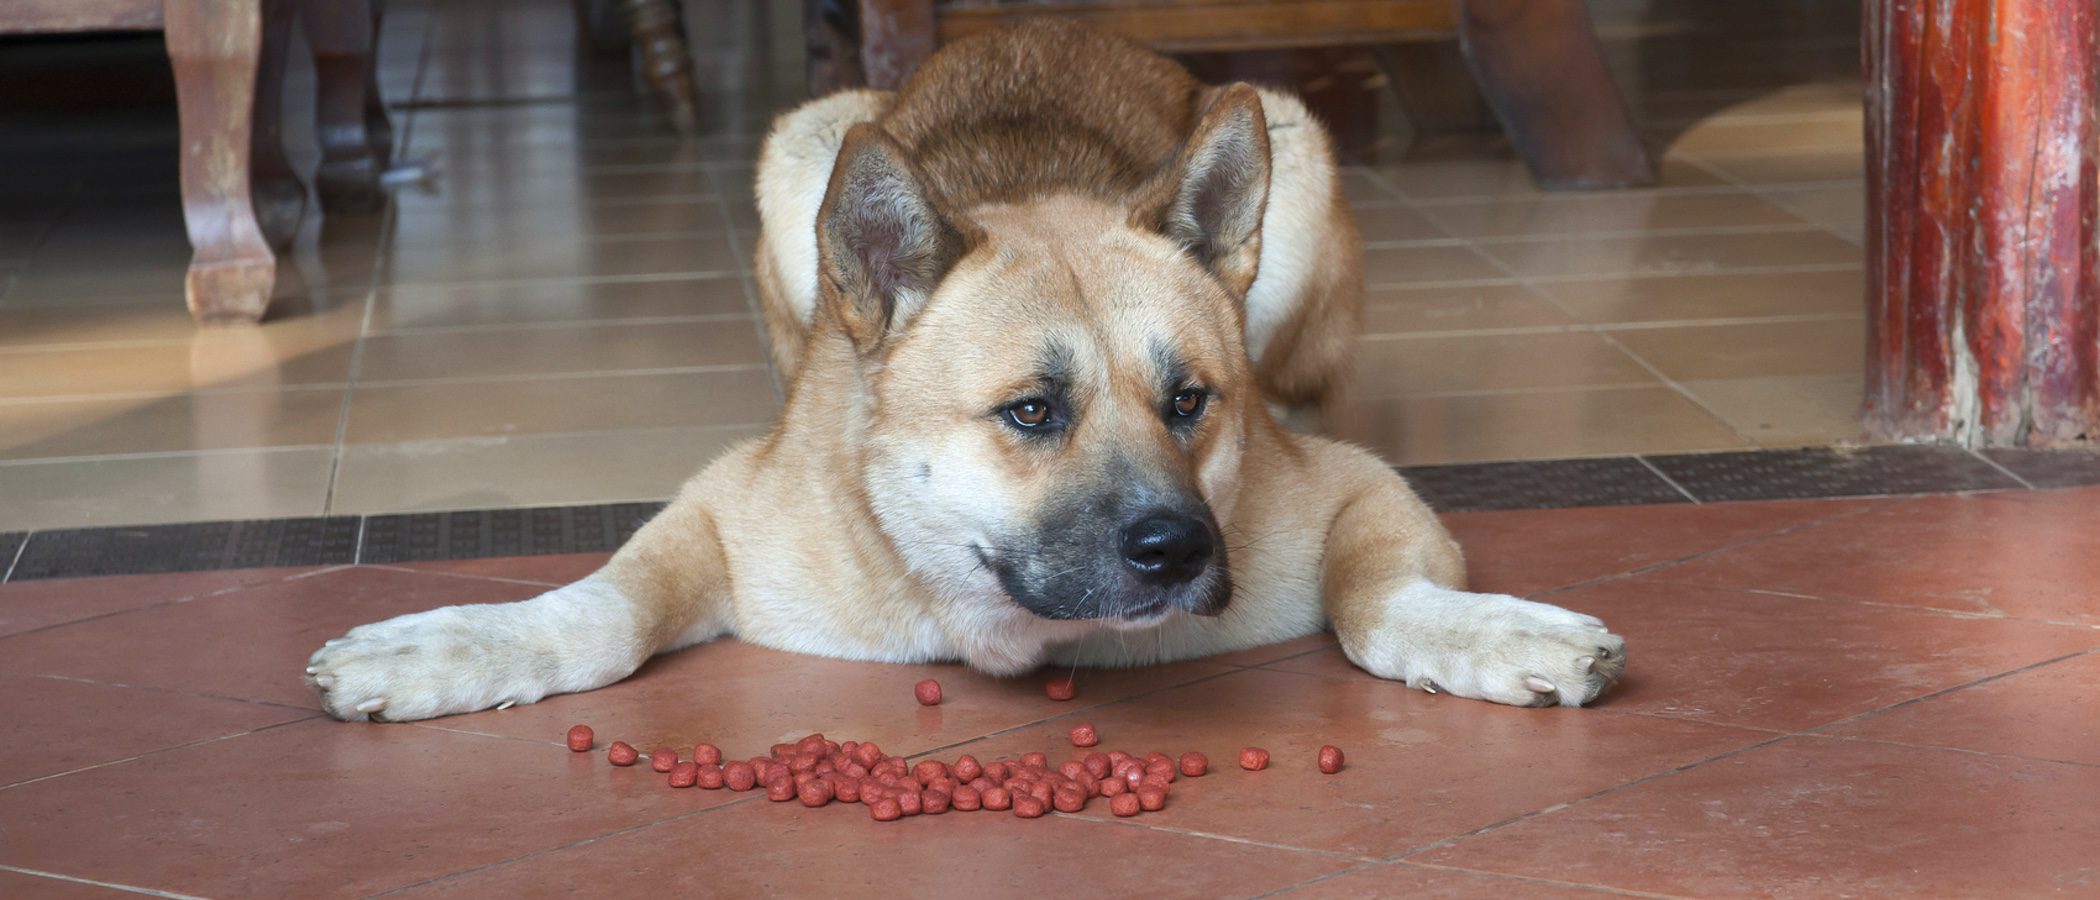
<point>1038,310</point>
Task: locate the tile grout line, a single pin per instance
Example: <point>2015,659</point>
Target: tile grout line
<point>1819,730</point>
<point>310,716</point>
<point>1214,836</point>
<point>1643,459</point>
<point>1316,880</point>
<point>1759,193</point>
<point>1988,754</point>
<point>582,842</point>
<point>128,888</point>
<point>1577,885</point>
<point>2015,476</point>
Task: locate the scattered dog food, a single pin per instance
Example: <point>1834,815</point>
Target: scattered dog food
<point>620,754</point>
<point>1330,759</point>
<point>1194,764</point>
<point>1060,689</point>
<point>1084,735</point>
<point>580,738</point>
<point>662,759</point>
<point>1254,759</point>
<point>928,692</point>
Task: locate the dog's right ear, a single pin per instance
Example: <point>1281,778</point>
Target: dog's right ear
<point>882,244</point>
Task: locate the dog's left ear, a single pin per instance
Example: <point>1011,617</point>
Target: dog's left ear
<point>882,243</point>
<point>1210,196</point>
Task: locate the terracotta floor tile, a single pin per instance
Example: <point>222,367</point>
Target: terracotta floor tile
<point>36,887</point>
<point>1403,310</point>
<point>1421,768</point>
<point>1751,350</point>
<point>376,807</point>
<point>1524,552</point>
<point>556,569</point>
<point>2051,712</point>
<point>737,851</point>
<point>78,724</point>
<point>1738,295</point>
<point>711,693</point>
<point>258,639</point>
<point>1457,428</point>
<point>1403,879</point>
<point>31,605</point>
<point>404,307</point>
<point>2028,555</point>
<point>1783,663</point>
<point>1670,254</point>
<point>1820,818</point>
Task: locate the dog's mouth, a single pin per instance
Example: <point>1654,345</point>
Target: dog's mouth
<point>1103,594</point>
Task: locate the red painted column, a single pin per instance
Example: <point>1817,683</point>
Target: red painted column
<point>1983,132</point>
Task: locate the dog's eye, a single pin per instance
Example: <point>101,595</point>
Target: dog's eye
<point>1029,413</point>
<point>1189,403</point>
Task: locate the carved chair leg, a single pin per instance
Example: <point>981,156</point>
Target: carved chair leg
<point>341,34</point>
<point>216,47</point>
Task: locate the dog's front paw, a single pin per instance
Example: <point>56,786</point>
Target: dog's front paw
<point>416,666</point>
<point>1493,647</point>
<point>1525,653</point>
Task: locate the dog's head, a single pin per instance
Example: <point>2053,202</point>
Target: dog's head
<point>1056,391</point>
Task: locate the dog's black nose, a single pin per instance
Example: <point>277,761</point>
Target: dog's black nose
<point>1167,549</point>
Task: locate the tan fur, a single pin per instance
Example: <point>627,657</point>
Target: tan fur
<point>898,511</point>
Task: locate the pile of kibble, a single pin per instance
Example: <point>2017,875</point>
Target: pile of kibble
<point>818,771</point>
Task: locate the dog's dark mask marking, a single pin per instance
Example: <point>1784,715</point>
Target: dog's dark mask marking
<point>1071,563</point>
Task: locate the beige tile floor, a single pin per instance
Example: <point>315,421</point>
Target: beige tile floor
<point>564,314</point>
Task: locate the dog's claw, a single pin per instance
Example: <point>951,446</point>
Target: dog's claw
<point>1589,663</point>
<point>1538,684</point>
<point>371,706</point>
<point>325,682</point>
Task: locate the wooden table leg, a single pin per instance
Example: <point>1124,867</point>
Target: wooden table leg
<point>280,197</point>
<point>1983,222</point>
<point>215,46</point>
<point>895,37</point>
<point>659,39</point>
<point>1538,63</point>
<point>379,128</point>
<point>342,34</point>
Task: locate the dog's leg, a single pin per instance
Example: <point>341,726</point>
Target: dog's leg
<point>666,589</point>
<point>1390,586</point>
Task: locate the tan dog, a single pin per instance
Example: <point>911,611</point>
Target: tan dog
<point>1024,424</point>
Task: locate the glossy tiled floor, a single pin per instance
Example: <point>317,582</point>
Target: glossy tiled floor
<point>1826,698</point>
<point>562,314</point>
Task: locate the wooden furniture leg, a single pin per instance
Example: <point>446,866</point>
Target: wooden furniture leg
<point>895,37</point>
<point>379,127</point>
<point>341,33</point>
<point>660,41</point>
<point>1983,222</point>
<point>216,46</point>
<point>1538,63</point>
<point>280,198</point>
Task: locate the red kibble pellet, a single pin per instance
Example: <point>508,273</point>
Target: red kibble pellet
<point>933,803</point>
<point>1125,805</point>
<point>928,692</point>
<point>1157,758</point>
<point>967,768</point>
<point>997,799</point>
<point>1060,689</point>
<point>1116,758</point>
<point>707,776</point>
<point>1152,781</point>
<point>1068,800</point>
<point>1072,769</point>
<point>622,754</point>
<point>911,802</point>
<point>707,754</point>
<point>781,789</point>
<point>885,810</point>
<point>1330,759</point>
<point>1114,787</point>
<point>1194,764</point>
<point>1028,807</point>
<point>1165,771</point>
<point>1084,735</point>
<point>580,738</point>
<point>1097,764</point>
<point>815,793</point>
<point>846,789</point>
<point>685,775</point>
<point>739,776</point>
<point>1254,759</point>
<point>929,770</point>
<point>1037,759</point>
<point>1150,799</point>
<point>966,799</point>
<point>868,755</point>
